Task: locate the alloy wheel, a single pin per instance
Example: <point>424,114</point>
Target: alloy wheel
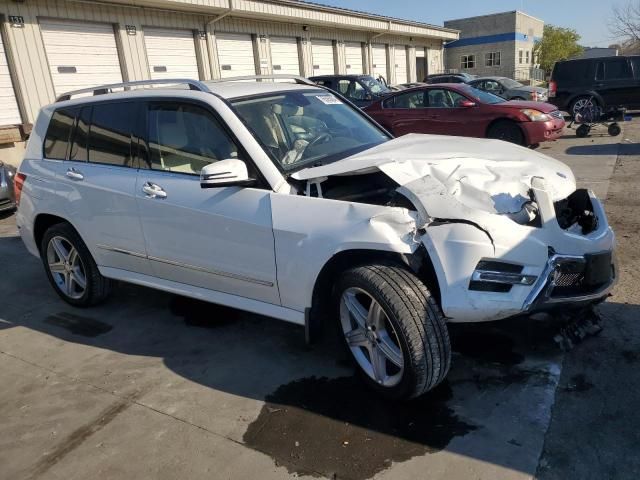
<point>371,337</point>
<point>582,103</point>
<point>66,267</point>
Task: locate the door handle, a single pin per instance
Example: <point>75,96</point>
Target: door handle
<point>74,174</point>
<point>152,190</point>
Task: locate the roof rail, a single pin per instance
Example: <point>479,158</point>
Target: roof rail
<point>102,89</point>
<point>296,78</point>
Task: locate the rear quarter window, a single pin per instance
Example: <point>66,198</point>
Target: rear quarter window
<point>56,142</point>
<point>573,73</point>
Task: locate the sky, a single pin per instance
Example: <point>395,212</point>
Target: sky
<point>588,17</point>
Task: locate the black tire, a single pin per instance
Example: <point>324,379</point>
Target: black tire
<point>577,100</point>
<point>417,320</point>
<point>508,131</point>
<point>97,287</point>
<point>614,130</point>
<point>583,130</point>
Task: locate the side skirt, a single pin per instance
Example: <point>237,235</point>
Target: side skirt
<point>227,299</point>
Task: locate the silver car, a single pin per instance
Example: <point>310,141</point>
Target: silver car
<point>7,200</point>
<point>510,89</point>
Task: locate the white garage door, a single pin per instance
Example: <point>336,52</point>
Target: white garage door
<point>9,113</point>
<point>235,55</point>
<point>380,61</point>
<point>171,53</point>
<point>353,57</point>
<point>284,56</point>
<point>80,55</point>
<point>322,55</point>
<point>401,64</point>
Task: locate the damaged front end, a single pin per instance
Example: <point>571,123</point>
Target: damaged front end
<point>505,236</point>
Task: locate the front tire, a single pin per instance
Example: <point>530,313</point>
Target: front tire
<point>394,329</point>
<point>508,131</point>
<point>70,267</point>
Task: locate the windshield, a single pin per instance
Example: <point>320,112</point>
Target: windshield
<point>484,97</point>
<point>301,129</point>
<point>374,85</point>
<point>507,82</point>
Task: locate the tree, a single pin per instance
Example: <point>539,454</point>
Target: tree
<point>557,44</point>
<point>625,25</point>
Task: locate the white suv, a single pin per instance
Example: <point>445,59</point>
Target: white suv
<point>285,200</point>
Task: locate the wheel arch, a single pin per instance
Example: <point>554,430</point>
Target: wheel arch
<point>419,262</point>
<point>43,222</point>
<point>513,121</point>
<point>590,93</point>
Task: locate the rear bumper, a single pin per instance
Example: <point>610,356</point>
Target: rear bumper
<point>538,132</point>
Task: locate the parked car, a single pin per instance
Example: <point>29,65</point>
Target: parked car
<point>510,89</point>
<point>283,200</point>
<point>459,109</point>
<point>404,86</point>
<point>607,82</point>
<point>361,90</point>
<point>7,198</point>
<point>449,78</point>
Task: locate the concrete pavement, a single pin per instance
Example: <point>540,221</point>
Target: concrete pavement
<point>154,386</point>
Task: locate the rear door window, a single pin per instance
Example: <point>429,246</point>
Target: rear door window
<point>78,152</point>
<point>56,142</point>
<point>110,133</point>
<point>635,61</point>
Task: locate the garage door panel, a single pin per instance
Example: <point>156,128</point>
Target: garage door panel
<point>401,64</point>
<point>380,60</point>
<point>322,56</point>
<point>353,57</point>
<point>171,53</point>
<point>235,55</point>
<point>284,56</point>
<point>80,55</point>
<point>9,113</point>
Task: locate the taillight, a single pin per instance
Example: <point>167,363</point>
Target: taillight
<point>553,88</point>
<point>18,183</point>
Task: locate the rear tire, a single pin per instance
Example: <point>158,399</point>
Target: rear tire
<point>508,131</point>
<point>70,267</point>
<point>581,102</point>
<point>394,330</point>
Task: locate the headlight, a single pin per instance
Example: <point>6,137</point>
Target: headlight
<point>535,115</point>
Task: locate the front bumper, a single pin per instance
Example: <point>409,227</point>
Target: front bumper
<point>541,252</point>
<point>538,132</point>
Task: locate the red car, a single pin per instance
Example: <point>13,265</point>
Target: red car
<point>459,109</point>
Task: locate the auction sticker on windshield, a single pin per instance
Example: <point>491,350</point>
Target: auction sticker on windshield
<point>329,100</point>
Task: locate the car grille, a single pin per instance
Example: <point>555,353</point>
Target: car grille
<point>556,114</point>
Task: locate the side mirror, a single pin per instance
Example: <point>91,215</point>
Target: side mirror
<point>225,173</point>
<point>467,104</point>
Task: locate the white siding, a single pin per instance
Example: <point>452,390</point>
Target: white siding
<point>323,59</point>
<point>9,113</point>
<point>284,56</point>
<point>353,56</point>
<point>80,54</point>
<point>401,64</point>
<point>379,67</point>
<point>235,55</point>
<point>171,53</point>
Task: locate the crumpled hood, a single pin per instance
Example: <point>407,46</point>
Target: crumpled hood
<point>489,175</point>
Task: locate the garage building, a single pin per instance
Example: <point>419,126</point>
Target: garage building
<point>49,47</point>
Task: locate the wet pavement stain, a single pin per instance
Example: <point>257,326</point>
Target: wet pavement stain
<point>340,429</point>
<point>486,347</point>
<point>197,313</point>
<point>78,325</point>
